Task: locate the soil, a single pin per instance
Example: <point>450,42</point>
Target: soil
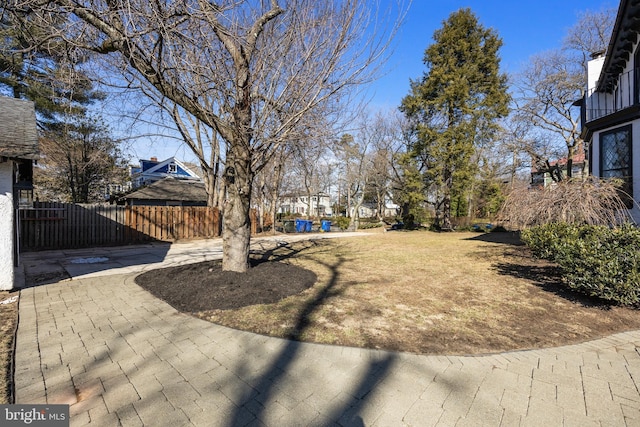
<point>204,286</point>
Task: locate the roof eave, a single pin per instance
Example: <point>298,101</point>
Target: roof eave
<point>623,38</point>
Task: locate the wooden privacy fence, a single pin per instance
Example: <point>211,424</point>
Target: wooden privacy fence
<point>65,225</point>
<point>169,223</point>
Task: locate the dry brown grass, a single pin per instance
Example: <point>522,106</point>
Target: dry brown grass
<point>8,320</point>
<point>422,292</point>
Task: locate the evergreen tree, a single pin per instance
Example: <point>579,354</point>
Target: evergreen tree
<point>78,155</point>
<point>409,191</point>
<point>47,73</point>
<point>456,104</point>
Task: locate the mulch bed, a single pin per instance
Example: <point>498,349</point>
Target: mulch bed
<point>204,286</point>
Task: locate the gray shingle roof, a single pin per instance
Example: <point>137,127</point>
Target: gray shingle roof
<point>171,189</point>
<point>18,132</point>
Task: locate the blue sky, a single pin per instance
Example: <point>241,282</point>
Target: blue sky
<point>526,28</point>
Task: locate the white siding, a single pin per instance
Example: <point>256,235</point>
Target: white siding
<point>6,226</point>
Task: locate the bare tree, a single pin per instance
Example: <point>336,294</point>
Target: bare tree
<point>386,133</point>
<point>590,34</point>
<point>268,188</point>
<point>79,160</point>
<point>407,170</point>
<point>204,143</point>
<point>250,71</point>
<point>358,155</point>
<point>352,154</point>
<point>306,160</point>
<point>380,179</point>
<point>546,91</point>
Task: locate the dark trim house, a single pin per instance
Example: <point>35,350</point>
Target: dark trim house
<point>611,107</point>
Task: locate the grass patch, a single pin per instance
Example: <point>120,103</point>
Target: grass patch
<point>431,293</point>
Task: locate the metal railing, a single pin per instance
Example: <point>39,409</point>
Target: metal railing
<point>625,95</point>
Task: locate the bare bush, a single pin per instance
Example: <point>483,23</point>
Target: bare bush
<point>576,201</point>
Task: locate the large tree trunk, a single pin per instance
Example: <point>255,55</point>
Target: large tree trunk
<point>236,233</point>
<point>446,212</point>
<point>381,207</point>
<point>570,153</point>
<point>355,219</point>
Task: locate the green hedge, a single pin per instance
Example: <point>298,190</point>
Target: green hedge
<point>598,261</point>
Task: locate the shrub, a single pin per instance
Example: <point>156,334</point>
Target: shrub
<point>598,261</point>
<point>409,220</point>
<point>369,225</point>
<point>549,240</point>
<point>392,219</point>
<point>342,222</point>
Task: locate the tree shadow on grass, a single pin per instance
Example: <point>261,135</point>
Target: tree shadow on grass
<point>280,251</point>
<point>506,237</point>
<point>543,274</point>
<point>548,277</point>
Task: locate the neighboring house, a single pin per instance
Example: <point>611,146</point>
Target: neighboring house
<point>366,210</point>
<point>318,205</point>
<point>611,107</point>
<point>542,178</point>
<point>153,170</point>
<point>369,210</point>
<point>113,191</point>
<point>18,150</point>
<point>169,191</point>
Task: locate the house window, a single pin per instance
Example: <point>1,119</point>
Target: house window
<point>615,159</point>
<point>173,168</point>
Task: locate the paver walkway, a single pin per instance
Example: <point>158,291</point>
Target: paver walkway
<point>119,356</point>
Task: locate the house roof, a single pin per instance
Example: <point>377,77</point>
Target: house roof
<point>578,159</point>
<point>161,169</point>
<point>623,38</point>
<point>18,132</point>
<point>171,189</point>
